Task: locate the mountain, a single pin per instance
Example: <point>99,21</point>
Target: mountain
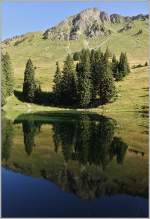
<point>90,28</point>
<point>90,23</point>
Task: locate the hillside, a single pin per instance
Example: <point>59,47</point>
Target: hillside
<point>90,28</point>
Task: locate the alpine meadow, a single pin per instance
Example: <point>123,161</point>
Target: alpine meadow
<point>75,116</point>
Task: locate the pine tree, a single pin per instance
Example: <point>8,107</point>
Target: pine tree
<point>114,64</point>
<point>57,84</point>
<point>3,83</point>
<point>127,64</point>
<point>95,59</point>
<point>9,74</point>
<point>29,85</point>
<point>38,97</point>
<point>117,75</point>
<point>68,82</point>
<point>76,56</point>
<point>6,78</point>
<point>108,53</point>
<point>84,79</point>
<point>123,66</point>
<point>107,86</point>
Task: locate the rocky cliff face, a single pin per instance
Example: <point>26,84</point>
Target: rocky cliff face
<point>89,23</point>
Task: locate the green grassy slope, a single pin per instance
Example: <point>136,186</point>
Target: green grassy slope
<point>132,97</point>
<point>45,53</point>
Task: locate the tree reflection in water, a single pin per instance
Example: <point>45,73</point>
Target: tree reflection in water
<point>87,139</point>
<point>30,128</point>
<point>7,138</point>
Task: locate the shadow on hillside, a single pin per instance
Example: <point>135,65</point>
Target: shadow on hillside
<point>146,95</point>
<point>48,99</point>
<point>144,111</point>
<point>44,98</point>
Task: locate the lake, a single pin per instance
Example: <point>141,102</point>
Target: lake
<point>74,165</point>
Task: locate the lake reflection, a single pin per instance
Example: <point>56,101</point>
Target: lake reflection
<point>80,153</point>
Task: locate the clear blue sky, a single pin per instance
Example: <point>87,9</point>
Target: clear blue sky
<point>22,17</point>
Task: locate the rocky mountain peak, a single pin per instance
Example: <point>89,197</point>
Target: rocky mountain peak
<point>90,12</point>
<point>89,23</point>
<point>116,18</point>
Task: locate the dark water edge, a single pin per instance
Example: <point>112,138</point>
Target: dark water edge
<point>25,196</point>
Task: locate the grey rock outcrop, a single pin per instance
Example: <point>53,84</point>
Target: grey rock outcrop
<point>89,23</point>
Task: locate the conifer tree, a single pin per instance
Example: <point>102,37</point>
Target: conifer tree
<point>117,75</point>
<point>107,86</point>
<point>57,84</point>
<point>76,56</point>
<point>114,64</point>
<point>108,53</point>
<point>95,60</point>
<point>92,81</point>
<point>68,82</point>
<point>84,79</point>
<point>3,83</point>
<point>127,64</point>
<point>6,78</point>
<point>29,85</point>
<point>9,74</point>
<point>123,66</point>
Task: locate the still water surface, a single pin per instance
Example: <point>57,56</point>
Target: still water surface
<point>71,165</point>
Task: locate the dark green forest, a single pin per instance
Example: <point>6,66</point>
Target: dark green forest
<point>86,80</point>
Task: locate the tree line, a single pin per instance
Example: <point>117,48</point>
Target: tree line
<point>7,79</point>
<point>86,79</point>
<point>90,80</point>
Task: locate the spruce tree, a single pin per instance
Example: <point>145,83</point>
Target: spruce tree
<point>6,78</point>
<point>84,79</point>
<point>29,85</point>
<point>57,84</point>
<point>9,74</point>
<point>95,59</point>
<point>68,82</point>
<point>108,53</point>
<point>127,64</point>
<point>114,65</point>
<point>76,56</point>
<point>107,86</point>
<point>123,66</point>
<point>3,83</point>
<point>117,75</point>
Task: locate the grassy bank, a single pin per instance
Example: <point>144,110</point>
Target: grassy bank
<point>132,97</point>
